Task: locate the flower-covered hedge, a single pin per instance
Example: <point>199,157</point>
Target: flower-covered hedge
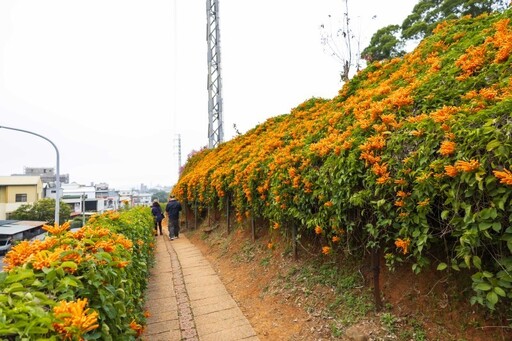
<point>413,155</point>
<point>87,284</point>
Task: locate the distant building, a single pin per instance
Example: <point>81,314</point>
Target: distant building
<point>142,199</point>
<point>47,174</point>
<point>88,200</point>
<point>18,190</point>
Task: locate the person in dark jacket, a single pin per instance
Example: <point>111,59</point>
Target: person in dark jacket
<point>158,216</point>
<point>173,209</point>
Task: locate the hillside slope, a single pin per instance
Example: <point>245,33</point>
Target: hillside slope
<point>410,161</point>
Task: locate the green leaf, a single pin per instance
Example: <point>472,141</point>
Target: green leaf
<point>442,266</point>
<point>69,264</point>
<point>496,226</point>
<point>477,262</point>
<point>492,298</point>
<point>484,225</point>
<point>493,144</point>
<point>499,291</point>
<point>483,287</point>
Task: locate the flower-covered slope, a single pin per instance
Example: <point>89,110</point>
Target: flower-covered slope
<point>414,152</point>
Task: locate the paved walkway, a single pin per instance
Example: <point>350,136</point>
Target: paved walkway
<point>187,300</point>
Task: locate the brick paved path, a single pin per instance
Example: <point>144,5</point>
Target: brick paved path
<point>187,300</point>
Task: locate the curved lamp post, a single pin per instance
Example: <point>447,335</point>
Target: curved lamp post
<point>57,177</point>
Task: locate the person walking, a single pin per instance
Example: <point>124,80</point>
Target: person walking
<point>173,209</point>
<point>158,216</point>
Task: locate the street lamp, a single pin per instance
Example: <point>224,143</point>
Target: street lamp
<point>57,179</point>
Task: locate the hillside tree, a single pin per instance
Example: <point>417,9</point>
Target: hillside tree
<point>389,41</point>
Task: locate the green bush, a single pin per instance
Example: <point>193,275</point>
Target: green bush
<point>86,284</point>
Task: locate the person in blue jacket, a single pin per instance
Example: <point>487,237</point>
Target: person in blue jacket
<point>173,209</point>
<point>158,216</point>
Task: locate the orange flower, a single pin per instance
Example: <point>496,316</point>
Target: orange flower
<point>276,226</point>
<point>402,194</point>
<point>467,166</point>
<point>18,255</point>
<point>383,179</point>
<point>443,114</point>
<point>326,250</point>
<point>380,169</point>
<point>44,259</point>
<point>137,328</point>
<point>447,148</point>
<point>122,263</point>
<point>56,229</point>
<point>328,204</point>
<point>424,202</point>
<point>417,133</point>
<point>147,314</point>
<point>335,239</point>
<point>270,246</point>
<point>73,319</point>
<point>318,230</point>
<point>505,176</point>
<point>399,203</point>
<point>401,182</point>
<point>403,244</point>
<point>451,171</point>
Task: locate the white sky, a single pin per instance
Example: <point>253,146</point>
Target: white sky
<point>112,82</point>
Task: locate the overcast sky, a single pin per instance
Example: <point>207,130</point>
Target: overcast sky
<point>113,82</point>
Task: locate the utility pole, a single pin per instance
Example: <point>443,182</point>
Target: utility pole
<point>214,82</point>
<point>177,145</point>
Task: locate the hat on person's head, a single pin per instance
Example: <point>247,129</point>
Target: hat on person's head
<point>156,200</point>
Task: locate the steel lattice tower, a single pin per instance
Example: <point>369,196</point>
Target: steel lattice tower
<point>214,82</point>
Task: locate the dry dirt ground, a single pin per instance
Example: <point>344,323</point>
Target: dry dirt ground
<point>281,305</point>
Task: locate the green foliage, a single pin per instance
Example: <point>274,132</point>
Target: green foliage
<point>426,14</point>
<point>412,157</point>
<point>96,264</point>
<point>42,210</point>
<point>389,41</point>
<point>385,43</point>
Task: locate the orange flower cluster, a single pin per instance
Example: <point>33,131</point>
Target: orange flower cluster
<point>57,229</point>
<point>74,319</point>
<point>326,250</point>
<point>19,254</point>
<point>318,230</point>
<point>505,176</point>
<point>403,244</point>
<point>451,171</point>
<point>502,40</point>
<point>447,148</point>
<point>467,166</point>
<point>139,329</point>
<point>472,61</point>
<point>424,203</point>
<point>443,114</point>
